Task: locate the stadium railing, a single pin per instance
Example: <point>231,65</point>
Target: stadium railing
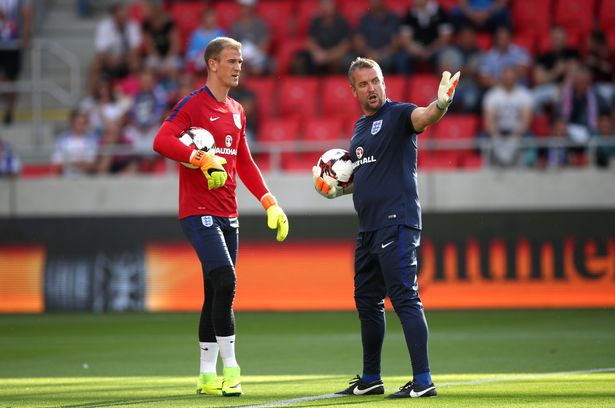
<point>37,85</point>
<point>275,152</point>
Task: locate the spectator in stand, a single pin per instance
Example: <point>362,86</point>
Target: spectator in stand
<point>503,53</point>
<point>376,37</point>
<point>15,33</point>
<point>145,116</point>
<point>200,37</point>
<point>186,84</point>
<point>77,148</point>
<point>160,42</point>
<point>555,155</point>
<point>464,56</point>
<point>252,32</point>
<point>484,15</point>
<point>605,151</point>
<point>601,62</point>
<point>103,105</point>
<point>425,32</point>
<point>551,68</point>
<point>328,43</point>
<point>115,152</point>
<point>117,44</point>
<point>247,99</point>
<point>10,165</point>
<point>507,114</point>
<point>580,107</point>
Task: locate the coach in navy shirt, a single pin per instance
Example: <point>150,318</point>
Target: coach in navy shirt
<point>383,150</point>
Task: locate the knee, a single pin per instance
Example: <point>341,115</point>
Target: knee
<point>223,279</point>
<point>369,305</point>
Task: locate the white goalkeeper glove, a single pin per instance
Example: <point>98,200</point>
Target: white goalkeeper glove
<point>446,89</point>
<point>323,187</point>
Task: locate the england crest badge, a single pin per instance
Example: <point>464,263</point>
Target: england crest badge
<point>237,120</point>
<point>376,126</point>
<point>207,221</point>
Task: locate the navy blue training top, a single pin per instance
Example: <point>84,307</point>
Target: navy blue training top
<point>383,150</point>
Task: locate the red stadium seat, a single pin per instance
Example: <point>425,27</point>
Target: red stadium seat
<point>40,170</point>
<point>353,10</point>
<point>457,127</point>
<point>278,16</point>
<point>263,162</point>
<point>526,40</point>
<point>540,125</point>
<point>136,11</point>
<point>471,160</point>
<point>423,89</point>
<point>575,15</point>
<point>187,17</point>
<point>396,87</point>
<point>484,41</point>
<point>337,97</point>
<point>448,4</point>
<point>326,129</point>
<point>399,7</point>
<point>606,15</point>
<point>307,10</point>
<point>573,40</point>
<point>278,131</point>
<point>298,96</point>
<point>227,12</point>
<point>460,128</point>
<point>610,39</point>
<point>323,129</point>
<point>301,162</point>
<point>438,161</point>
<point>285,54</point>
<point>532,16</point>
<point>264,88</point>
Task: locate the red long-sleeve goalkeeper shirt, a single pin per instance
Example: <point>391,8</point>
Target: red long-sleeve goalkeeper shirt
<point>226,121</point>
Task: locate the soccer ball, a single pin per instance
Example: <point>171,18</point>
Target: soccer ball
<point>198,138</point>
<point>336,167</point>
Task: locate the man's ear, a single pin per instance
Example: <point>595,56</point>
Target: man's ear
<point>212,65</point>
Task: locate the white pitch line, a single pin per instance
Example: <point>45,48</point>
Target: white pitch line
<point>285,403</point>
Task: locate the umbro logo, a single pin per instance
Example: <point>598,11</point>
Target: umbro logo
<point>213,119</point>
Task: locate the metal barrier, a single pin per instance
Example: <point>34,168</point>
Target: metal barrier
<point>43,154</point>
<point>37,85</point>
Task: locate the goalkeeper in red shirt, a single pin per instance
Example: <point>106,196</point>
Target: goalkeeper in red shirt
<point>208,204</point>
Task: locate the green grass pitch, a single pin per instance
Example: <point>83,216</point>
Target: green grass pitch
<point>540,358</point>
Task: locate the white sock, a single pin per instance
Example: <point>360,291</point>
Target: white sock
<point>209,356</point>
<point>227,351</point>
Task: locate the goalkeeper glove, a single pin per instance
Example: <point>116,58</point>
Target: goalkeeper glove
<point>446,90</point>
<point>323,188</point>
<point>276,219</point>
<point>211,166</point>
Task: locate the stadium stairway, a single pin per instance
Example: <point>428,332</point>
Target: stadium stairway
<point>57,22</point>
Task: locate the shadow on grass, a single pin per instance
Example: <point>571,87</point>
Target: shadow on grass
<point>127,402</point>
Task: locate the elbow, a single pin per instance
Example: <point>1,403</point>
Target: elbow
<point>156,145</point>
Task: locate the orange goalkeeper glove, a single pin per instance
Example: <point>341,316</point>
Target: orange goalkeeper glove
<point>276,219</point>
<point>211,166</point>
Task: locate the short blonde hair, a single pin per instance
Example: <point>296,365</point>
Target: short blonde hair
<point>360,63</point>
<point>215,47</point>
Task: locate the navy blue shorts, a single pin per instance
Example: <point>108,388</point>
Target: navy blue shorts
<point>215,240</point>
<point>386,264</point>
